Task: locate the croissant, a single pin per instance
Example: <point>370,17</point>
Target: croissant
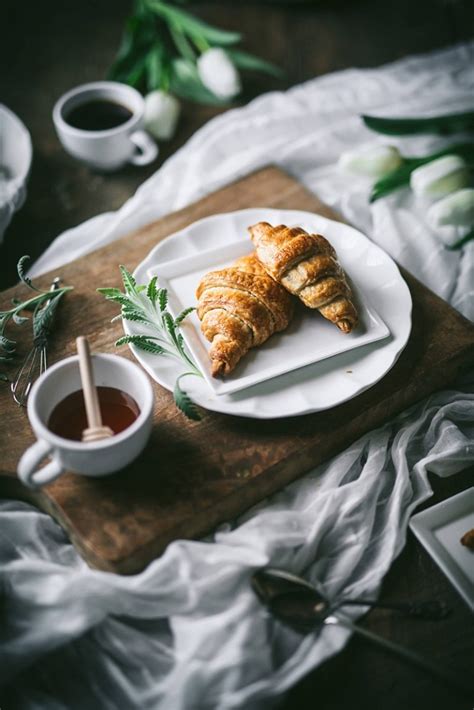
<point>306,265</point>
<point>239,308</point>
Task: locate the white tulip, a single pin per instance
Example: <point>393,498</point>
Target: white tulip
<point>161,114</point>
<point>440,177</point>
<point>373,161</point>
<point>218,73</point>
<point>456,209</point>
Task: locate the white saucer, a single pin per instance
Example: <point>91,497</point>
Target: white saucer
<point>439,529</point>
<point>318,386</point>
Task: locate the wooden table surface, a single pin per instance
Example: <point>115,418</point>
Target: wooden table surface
<point>48,47</point>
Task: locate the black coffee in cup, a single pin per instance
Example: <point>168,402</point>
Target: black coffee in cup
<point>98,115</point>
<point>100,123</point>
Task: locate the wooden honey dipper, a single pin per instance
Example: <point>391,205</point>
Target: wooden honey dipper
<point>95,430</point>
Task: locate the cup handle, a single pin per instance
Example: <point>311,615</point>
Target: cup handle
<point>29,461</point>
<point>146,148</point>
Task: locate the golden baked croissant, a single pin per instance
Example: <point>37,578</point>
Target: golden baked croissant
<point>239,308</point>
<point>306,265</point>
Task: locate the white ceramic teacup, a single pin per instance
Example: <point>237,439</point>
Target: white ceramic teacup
<point>111,148</point>
<point>97,458</point>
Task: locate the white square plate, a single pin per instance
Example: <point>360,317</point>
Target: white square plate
<point>440,529</point>
<point>309,338</point>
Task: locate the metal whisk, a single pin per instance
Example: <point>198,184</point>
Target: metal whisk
<point>34,364</point>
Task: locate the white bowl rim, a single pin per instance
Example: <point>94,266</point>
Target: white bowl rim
<point>22,176</point>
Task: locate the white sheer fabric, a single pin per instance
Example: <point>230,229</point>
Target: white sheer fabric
<point>188,632</point>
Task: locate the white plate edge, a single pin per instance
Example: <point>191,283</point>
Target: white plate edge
<point>255,414</point>
<point>424,533</point>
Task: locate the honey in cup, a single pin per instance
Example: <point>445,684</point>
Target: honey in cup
<point>118,409</point>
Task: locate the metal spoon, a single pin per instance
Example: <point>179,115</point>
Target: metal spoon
<point>429,610</point>
<point>297,603</point>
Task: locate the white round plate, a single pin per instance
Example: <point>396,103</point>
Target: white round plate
<point>315,387</point>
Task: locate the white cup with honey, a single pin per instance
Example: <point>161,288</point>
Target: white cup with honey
<point>57,414</point>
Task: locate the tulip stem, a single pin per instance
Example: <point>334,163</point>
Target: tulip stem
<point>202,44</point>
<point>457,245</point>
<point>400,177</point>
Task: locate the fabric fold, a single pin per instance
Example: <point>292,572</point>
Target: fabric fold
<point>188,632</point>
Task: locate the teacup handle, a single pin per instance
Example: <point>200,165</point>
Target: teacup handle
<point>29,461</point>
<point>147,150</point>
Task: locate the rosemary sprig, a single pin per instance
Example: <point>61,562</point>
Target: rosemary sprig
<point>42,305</point>
<point>148,305</point>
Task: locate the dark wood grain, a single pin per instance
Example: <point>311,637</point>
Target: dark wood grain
<point>51,46</point>
<point>47,47</point>
<point>194,475</point>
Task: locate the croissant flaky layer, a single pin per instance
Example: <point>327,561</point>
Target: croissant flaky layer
<point>239,308</point>
<point>307,266</point>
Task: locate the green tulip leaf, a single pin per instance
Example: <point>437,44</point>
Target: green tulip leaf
<point>244,60</point>
<point>444,124</point>
<point>193,27</point>
<point>401,176</point>
<point>185,83</point>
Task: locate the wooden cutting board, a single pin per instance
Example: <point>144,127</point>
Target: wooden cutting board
<point>194,475</point>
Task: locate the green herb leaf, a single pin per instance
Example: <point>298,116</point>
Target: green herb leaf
<point>184,402</point>
<point>444,124</point>
<point>20,267</point>
<point>152,291</point>
<point>179,319</point>
<point>135,316</point>
<point>162,298</point>
<point>6,344</point>
<point>19,320</point>
<point>121,299</point>
<point>110,293</point>
<point>129,282</point>
<point>43,305</point>
<point>43,316</point>
<point>164,337</point>
<point>24,306</point>
<point>168,323</point>
<point>144,342</point>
